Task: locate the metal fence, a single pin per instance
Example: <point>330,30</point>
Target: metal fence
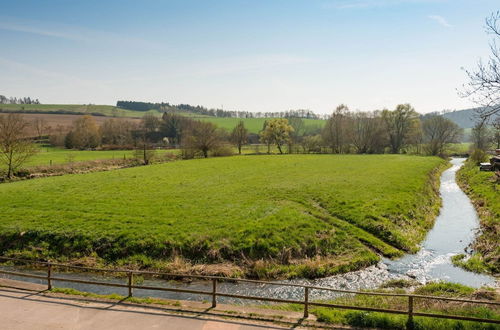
<point>214,293</point>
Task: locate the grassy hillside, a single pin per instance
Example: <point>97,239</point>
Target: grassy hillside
<point>303,215</point>
<point>254,125</point>
<point>485,194</point>
<point>105,110</point>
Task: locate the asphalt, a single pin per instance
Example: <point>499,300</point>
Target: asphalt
<point>31,309</point>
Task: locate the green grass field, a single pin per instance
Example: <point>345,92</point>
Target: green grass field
<point>303,215</point>
<point>55,156</point>
<point>255,125</point>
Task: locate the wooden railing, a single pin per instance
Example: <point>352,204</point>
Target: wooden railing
<point>50,277</point>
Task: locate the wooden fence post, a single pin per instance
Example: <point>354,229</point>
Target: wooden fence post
<point>49,275</point>
<point>306,302</point>
<point>409,323</point>
<point>130,280</point>
<point>214,292</point>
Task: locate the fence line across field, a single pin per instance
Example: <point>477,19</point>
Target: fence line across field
<point>216,279</point>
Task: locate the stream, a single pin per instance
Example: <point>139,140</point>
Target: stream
<point>454,230</point>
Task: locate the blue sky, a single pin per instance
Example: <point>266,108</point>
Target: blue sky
<point>246,55</point>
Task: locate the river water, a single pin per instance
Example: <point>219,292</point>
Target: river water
<point>454,230</point>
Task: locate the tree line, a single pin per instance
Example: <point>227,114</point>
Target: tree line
<point>200,110</point>
<point>401,130</point>
<point>21,100</point>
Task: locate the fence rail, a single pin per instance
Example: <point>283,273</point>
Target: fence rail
<point>216,279</point>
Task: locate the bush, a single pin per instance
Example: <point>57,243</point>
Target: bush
<point>478,156</point>
<point>222,151</point>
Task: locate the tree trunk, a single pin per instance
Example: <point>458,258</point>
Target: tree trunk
<point>239,149</point>
<point>279,148</point>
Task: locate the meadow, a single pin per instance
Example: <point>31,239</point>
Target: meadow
<point>47,156</point>
<point>260,216</point>
<point>255,125</point>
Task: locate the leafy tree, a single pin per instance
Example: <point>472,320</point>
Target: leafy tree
<point>438,132</point>
<point>398,124</point>
<point>277,130</point>
<point>239,135</point>
<point>15,147</point>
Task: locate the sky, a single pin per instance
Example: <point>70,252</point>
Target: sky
<point>247,55</point>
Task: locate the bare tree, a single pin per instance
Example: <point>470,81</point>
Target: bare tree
<point>480,135</point>
<point>496,132</point>
<point>84,134</point>
<point>335,131</point>
<point>484,82</point>
<point>367,132</point>
<point>15,147</point>
<point>202,137</point>
<point>41,127</point>
<point>438,132</point>
<point>239,135</point>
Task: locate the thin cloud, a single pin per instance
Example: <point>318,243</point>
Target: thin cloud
<point>366,4</point>
<point>72,33</point>
<point>440,20</point>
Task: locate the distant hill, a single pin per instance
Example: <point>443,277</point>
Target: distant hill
<point>463,118</point>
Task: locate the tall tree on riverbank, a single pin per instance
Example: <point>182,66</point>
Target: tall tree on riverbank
<point>15,147</point>
<point>399,124</point>
<point>438,132</point>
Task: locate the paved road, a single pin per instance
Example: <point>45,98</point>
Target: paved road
<point>21,309</point>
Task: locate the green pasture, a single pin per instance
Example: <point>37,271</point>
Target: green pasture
<point>287,210</point>
<point>55,156</point>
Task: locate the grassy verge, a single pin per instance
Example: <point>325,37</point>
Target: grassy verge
<point>395,321</point>
<point>484,191</point>
<point>257,216</point>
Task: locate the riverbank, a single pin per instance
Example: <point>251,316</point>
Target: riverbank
<point>484,190</point>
